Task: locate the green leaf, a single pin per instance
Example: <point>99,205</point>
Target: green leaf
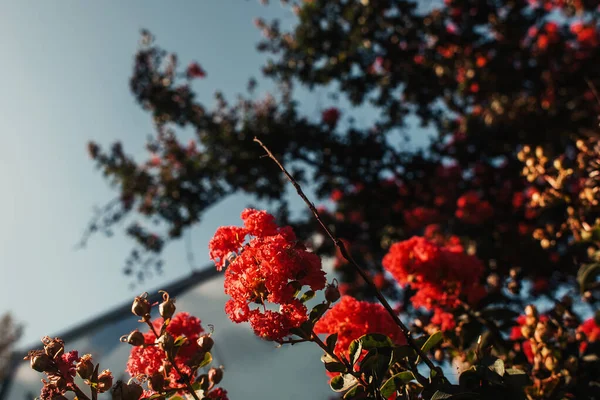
<point>354,351</point>
<point>439,395</point>
<point>331,341</point>
<point>396,382</point>
<point>401,352</point>
<point>207,360</point>
<point>335,367</point>
<point>375,341</point>
<point>431,342</point>
<point>332,365</point>
<point>307,296</point>
<point>342,382</point>
<point>376,364</point>
<point>317,312</point>
<point>353,392</point>
<point>587,274</point>
<point>180,341</point>
<point>296,286</point>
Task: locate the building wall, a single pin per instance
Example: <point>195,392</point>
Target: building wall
<point>254,369</point>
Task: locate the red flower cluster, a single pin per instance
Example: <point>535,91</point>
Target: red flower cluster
<point>443,319</point>
<point>420,216</point>
<point>591,329</point>
<point>148,360</point>
<point>331,116</point>
<point>218,394</point>
<point>194,70</point>
<point>472,210</point>
<point>351,319</point>
<point>268,269</point>
<point>441,274</point>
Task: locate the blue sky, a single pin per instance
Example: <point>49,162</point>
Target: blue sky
<point>64,79</point>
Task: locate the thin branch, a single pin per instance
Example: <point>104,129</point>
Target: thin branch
<point>340,245</point>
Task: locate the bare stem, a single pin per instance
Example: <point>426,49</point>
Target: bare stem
<point>340,245</point>
<point>79,392</point>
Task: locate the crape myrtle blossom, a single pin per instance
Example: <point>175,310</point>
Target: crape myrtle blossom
<point>266,266</point>
<point>351,319</point>
<point>442,275</point>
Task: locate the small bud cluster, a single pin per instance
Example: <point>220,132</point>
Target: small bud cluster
<point>61,368</point>
<point>167,359</point>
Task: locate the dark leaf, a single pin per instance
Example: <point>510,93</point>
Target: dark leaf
<point>396,382</point>
<point>343,382</point>
<point>431,342</point>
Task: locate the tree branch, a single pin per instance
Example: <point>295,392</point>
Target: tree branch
<point>340,245</point>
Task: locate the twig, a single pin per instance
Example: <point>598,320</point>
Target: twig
<point>79,393</point>
<point>340,245</point>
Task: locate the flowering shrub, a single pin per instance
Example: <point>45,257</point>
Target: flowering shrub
<point>369,353</point>
<point>460,239</point>
<point>270,269</point>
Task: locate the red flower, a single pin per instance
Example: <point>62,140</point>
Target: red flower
<point>420,216</point>
<point>194,70</point>
<point>472,210</point>
<point>331,116</point>
<point>336,195</point>
<point>443,319</point>
<point>351,319</point>
<point>148,360</point>
<point>268,269</point>
<point>441,274</point>
<point>592,333</point>
<point>218,394</point>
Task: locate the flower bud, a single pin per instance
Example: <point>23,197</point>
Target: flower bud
<point>205,342</point>
<point>105,381</point>
<point>41,363</point>
<point>53,347</point>
<point>127,391</point>
<point>141,306</point>
<point>550,363</point>
<point>531,311</point>
<point>166,342</point>
<point>215,375</point>
<point>136,338</point>
<point>85,367</point>
<point>439,355</point>
<point>203,381</point>
<point>514,287</point>
<point>57,382</point>
<point>157,382</point>
<point>167,308</point>
<point>332,293</point>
